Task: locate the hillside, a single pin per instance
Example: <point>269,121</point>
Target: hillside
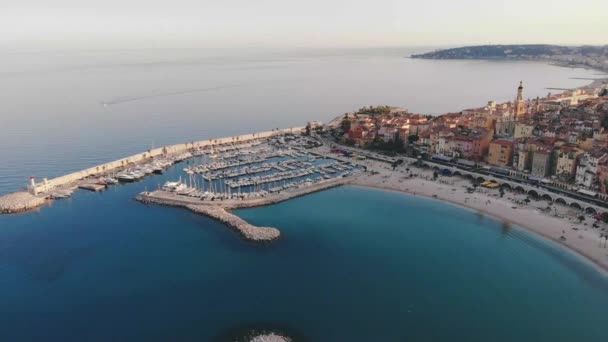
<point>590,56</point>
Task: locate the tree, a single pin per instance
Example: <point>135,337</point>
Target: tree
<point>581,218</point>
<point>308,128</point>
<point>435,175</point>
<point>413,138</point>
<point>346,123</point>
<point>501,190</point>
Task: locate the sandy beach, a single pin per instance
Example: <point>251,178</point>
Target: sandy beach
<point>534,216</point>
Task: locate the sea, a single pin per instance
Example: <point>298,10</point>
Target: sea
<point>353,264</point>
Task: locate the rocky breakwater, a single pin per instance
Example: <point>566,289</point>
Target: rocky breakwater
<point>218,209</point>
<point>19,201</point>
<point>247,230</point>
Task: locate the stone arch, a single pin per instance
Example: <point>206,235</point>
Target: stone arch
<point>481,179</point>
<point>506,185</point>
<point>560,201</point>
<point>590,210</point>
<point>576,205</point>
<point>425,165</point>
<point>547,197</point>
<point>468,176</point>
<point>457,173</point>
<point>533,193</point>
<point>520,188</point>
<point>436,168</point>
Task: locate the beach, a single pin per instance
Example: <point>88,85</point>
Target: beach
<point>512,208</point>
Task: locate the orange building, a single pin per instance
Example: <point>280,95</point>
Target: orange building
<point>501,153</point>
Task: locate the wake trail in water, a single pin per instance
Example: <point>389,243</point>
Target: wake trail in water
<point>199,90</point>
<point>171,93</point>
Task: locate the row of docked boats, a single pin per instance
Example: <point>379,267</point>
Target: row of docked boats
<point>275,177</point>
<point>157,166</point>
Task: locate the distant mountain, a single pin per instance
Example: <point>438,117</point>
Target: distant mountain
<point>590,56</point>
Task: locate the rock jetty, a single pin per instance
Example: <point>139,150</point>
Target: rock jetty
<point>219,209</point>
<point>272,337</point>
<point>248,231</point>
<point>19,201</point>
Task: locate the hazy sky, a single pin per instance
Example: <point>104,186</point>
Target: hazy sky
<point>303,23</point>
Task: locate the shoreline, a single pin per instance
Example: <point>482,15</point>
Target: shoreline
<point>594,259</point>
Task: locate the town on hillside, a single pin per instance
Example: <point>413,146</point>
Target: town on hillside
<point>560,140</point>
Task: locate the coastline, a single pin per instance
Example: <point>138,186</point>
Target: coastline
<point>544,226</point>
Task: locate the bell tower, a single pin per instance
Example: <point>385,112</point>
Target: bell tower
<point>520,109</point>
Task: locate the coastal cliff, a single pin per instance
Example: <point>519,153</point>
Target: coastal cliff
<point>589,56</point>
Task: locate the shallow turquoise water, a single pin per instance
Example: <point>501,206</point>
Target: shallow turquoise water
<point>354,264</point>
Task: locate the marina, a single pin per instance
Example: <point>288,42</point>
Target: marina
<point>224,175</point>
<point>126,170</point>
<point>243,176</point>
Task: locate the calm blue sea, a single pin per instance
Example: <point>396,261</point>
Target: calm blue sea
<point>353,265</point>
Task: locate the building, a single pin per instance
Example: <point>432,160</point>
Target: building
<point>541,162</point>
<point>469,144</point>
<point>520,106</point>
<point>567,160</point>
<point>523,130</point>
<point>500,153</point>
<point>586,171</point>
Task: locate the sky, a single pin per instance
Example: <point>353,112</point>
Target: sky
<point>305,23</point>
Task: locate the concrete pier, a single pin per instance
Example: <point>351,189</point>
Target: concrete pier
<point>19,201</point>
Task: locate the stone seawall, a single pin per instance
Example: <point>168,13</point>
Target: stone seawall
<point>247,230</point>
<point>219,209</point>
<point>50,184</point>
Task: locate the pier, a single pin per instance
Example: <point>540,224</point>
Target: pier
<point>219,209</point>
<point>131,168</point>
<point>20,201</point>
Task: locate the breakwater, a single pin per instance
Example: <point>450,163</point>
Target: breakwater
<point>37,192</point>
<point>247,230</point>
<point>219,209</point>
<point>19,201</point>
<point>47,185</point>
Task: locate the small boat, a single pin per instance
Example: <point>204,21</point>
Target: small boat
<point>61,194</point>
<point>174,186</point>
<point>124,177</point>
<point>110,180</point>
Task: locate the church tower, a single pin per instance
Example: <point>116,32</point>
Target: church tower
<point>520,109</point>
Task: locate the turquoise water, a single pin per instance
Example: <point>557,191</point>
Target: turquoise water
<point>353,264</point>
